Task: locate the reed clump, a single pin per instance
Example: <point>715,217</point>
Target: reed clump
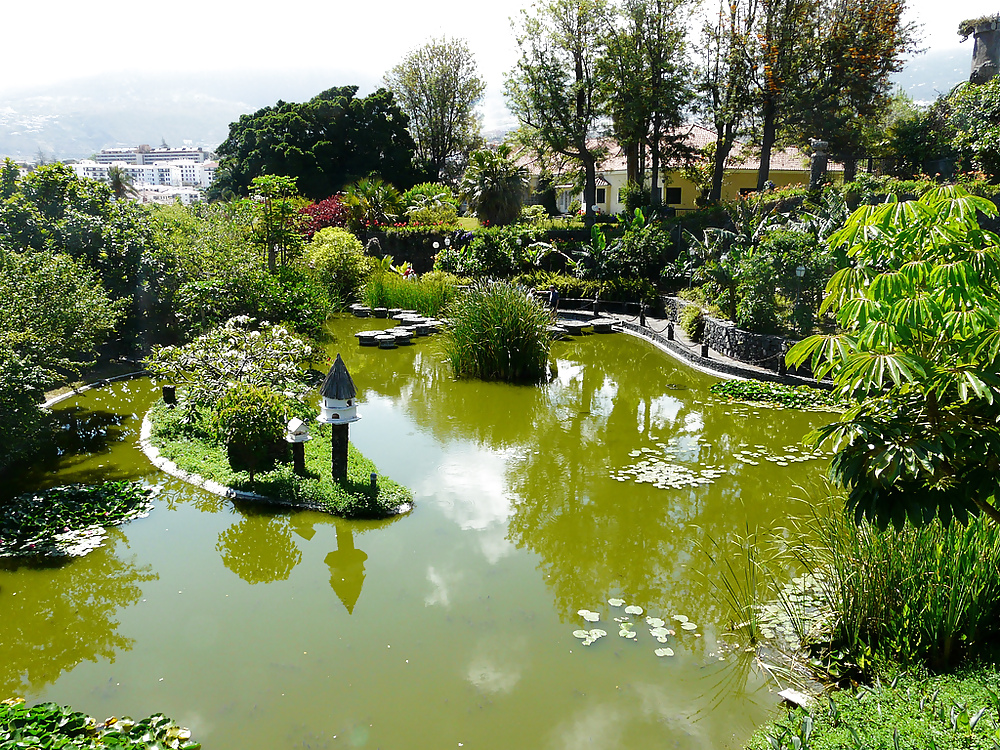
<point>428,294</point>
<point>498,331</point>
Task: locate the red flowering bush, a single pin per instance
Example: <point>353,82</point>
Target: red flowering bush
<point>329,212</point>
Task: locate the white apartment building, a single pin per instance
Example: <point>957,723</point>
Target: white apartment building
<point>146,155</point>
<point>180,173</point>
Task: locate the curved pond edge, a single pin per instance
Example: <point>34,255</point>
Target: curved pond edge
<point>49,403</point>
<point>209,485</point>
<point>719,366</point>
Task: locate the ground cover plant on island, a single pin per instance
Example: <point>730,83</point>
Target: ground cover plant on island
<point>498,331</point>
<point>777,394</point>
<point>239,386</point>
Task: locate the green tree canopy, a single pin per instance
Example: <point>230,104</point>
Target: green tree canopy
<point>438,86</point>
<point>494,186</point>
<point>919,348</point>
<point>326,143</point>
<point>553,88</point>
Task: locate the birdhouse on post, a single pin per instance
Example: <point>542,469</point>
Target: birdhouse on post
<point>297,433</point>
<point>338,407</point>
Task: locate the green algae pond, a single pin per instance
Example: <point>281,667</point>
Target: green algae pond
<point>458,624</point>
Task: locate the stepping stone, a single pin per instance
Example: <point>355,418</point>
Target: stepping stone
<point>574,327</point>
<point>381,312</point>
<point>402,336</point>
<point>386,341</point>
<point>360,311</point>
<point>557,332</point>
<point>368,338</point>
<point>602,325</point>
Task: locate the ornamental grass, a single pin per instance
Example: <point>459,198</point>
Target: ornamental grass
<point>498,331</point>
<point>428,294</point>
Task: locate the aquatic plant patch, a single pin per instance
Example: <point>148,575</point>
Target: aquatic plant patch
<point>777,395</point>
<point>662,469</point>
<point>51,726</point>
<point>68,521</point>
<point>632,623</point>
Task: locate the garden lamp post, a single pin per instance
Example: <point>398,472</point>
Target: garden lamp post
<point>338,408</point>
<point>800,272</point>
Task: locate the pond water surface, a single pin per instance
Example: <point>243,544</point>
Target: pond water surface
<point>451,626</point>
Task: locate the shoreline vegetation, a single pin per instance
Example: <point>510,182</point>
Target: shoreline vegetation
<point>195,448</point>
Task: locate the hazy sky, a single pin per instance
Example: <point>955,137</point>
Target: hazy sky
<point>62,39</point>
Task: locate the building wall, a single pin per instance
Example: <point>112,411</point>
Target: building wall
<point>686,192</point>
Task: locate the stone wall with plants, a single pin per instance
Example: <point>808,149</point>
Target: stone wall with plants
<point>725,338</point>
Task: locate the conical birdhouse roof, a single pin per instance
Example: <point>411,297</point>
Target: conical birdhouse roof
<point>338,384</point>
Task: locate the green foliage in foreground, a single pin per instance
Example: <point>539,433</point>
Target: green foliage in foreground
<point>428,294</point>
<point>498,331</point>
<point>44,522</point>
<point>194,446</point>
<point>918,348</point>
<point>945,712</point>
<point>791,396</point>
<point>51,726</point>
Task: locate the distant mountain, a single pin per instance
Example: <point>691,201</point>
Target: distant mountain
<point>75,120</point>
<point>928,76</point>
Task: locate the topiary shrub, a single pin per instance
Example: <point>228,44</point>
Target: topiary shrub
<point>693,322</point>
<point>337,260</point>
<point>250,421</point>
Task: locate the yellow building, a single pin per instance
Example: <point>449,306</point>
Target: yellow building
<point>788,167</point>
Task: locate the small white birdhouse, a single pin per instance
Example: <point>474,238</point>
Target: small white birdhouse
<point>338,404</point>
<point>297,431</point>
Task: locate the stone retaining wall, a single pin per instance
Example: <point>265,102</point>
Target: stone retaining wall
<point>724,337</point>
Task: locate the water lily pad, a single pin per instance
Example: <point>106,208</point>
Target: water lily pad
<point>581,634</point>
<point>616,602</point>
<point>655,622</point>
<point>664,652</point>
<point>632,609</point>
<point>589,616</point>
<point>658,632</point>
<point>680,618</point>
<point>689,626</point>
<point>626,633</point>
<point>662,639</point>
<point>598,633</point>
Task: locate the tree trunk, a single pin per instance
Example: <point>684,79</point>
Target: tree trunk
<point>723,145</point>
<point>632,163</point>
<point>850,168</point>
<point>654,166</point>
<point>766,143</point>
<point>589,186</point>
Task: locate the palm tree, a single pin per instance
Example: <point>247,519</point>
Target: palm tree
<point>120,182</point>
<point>493,185</point>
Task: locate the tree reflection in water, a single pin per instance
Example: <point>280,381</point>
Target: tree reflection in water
<point>58,616</point>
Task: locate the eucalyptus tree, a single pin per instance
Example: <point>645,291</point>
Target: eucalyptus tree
<point>438,86</point>
<point>723,76</point>
<point>644,82</point>
<point>919,350</point>
<point>553,89</point>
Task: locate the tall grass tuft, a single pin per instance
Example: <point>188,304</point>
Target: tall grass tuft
<point>498,331</point>
<point>428,294</point>
<point>925,595</point>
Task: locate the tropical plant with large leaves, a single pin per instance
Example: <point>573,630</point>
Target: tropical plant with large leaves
<point>918,310</point>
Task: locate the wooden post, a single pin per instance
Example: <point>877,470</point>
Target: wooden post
<point>299,458</point>
<point>170,394</point>
<point>338,441</point>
